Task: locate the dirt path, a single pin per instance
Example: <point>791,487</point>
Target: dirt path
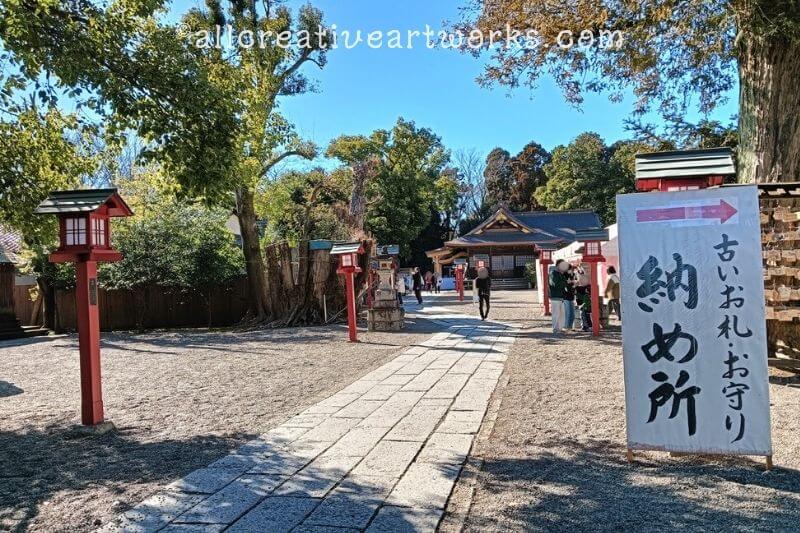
<point>179,399</point>
<point>555,460</point>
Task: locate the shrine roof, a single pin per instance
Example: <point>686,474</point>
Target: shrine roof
<point>83,201</point>
<point>540,228</point>
<point>685,163</point>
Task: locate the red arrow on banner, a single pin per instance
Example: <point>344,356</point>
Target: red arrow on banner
<point>724,211</point>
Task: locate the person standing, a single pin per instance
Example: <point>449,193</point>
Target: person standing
<point>558,288</point>
<point>437,282</point>
<point>612,293</point>
<point>585,305</point>
<point>569,299</point>
<point>400,287</point>
<point>417,284</point>
<point>484,284</point>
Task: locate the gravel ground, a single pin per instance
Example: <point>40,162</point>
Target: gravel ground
<point>179,400</point>
<point>555,459</point>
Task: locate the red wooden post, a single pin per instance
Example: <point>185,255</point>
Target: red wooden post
<point>351,306</point>
<point>460,282</point>
<point>595,295</point>
<point>546,286</point>
<point>546,259</point>
<point>89,343</point>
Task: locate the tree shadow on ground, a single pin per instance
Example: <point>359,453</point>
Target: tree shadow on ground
<point>569,485</point>
<point>36,465</point>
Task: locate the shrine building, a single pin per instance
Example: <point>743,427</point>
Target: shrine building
<point>508,240</point>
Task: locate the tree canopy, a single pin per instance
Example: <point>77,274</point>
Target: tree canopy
<point>587,174</point>
<point>674,55</point>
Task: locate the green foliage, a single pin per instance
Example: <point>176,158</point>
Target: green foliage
<point>116,60</point>
<point>175,246</point>
<point>36,158</point>
<point>513,180</point>
<point>667,49</point>
<point>527,174</point>
<point>586,174</point>
<point>404,189</point>
<point>303,205</point>
<point>497,176</point>
<point>530,273</point>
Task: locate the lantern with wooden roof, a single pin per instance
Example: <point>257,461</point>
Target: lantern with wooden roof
<point>83,218</point>
<point>545,260</point>
<point>348,253</point>
<point>85,239</point>
<point>593,254</point>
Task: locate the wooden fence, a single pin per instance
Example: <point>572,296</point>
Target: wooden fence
<point>156,307</point>
<point>23,305</point>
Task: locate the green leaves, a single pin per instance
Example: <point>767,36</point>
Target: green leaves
<point>174,246</point>
<point>586,174</point>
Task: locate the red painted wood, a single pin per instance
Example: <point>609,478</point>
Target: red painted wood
<point>351,306</point>
<point>595,293</point>
<point>546,286</point>
<point>89,343</point>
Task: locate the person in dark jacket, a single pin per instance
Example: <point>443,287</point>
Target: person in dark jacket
<point>558,289</point>
<point>418,283</point>
<point>484,285</point>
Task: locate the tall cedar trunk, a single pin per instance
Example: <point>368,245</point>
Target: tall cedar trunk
<point>769,109</point>
<point>254,262</point>
<point>769,128</point>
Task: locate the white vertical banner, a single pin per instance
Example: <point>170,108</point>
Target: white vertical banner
<point>694,327</point>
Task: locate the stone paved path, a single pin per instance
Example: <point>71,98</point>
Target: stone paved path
<point>383,454</point>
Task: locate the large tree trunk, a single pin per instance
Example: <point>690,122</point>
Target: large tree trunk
<point>769,109</point>
<point>254,262</point>
<point>769,129</point>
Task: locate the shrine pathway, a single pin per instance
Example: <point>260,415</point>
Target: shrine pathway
<point>382,454</point>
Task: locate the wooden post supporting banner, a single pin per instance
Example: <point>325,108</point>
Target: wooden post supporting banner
<point>629,455</point>
<point>769,463</point>
<point>89,343</point>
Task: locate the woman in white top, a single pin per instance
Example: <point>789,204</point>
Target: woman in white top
<point>400,287</point>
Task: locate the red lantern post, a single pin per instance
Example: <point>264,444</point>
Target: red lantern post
<point>545,260</point>
<point>85,240</point>
<point>592,254</point>
<point>348,267</point>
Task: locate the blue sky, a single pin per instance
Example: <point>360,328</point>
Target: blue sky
<point>364,89</point>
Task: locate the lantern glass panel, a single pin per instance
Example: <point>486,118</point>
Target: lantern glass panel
<point>347,260</point>
<point>99,232</point>
<point>75,234</point>
<point>592,248</point>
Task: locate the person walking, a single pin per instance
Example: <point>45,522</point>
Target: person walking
<point>437,282</point>
<point>484,284</point>
<point>612,293</point>
<point>417,284</point>
<point>558,288</point>
<point>400,287</point>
